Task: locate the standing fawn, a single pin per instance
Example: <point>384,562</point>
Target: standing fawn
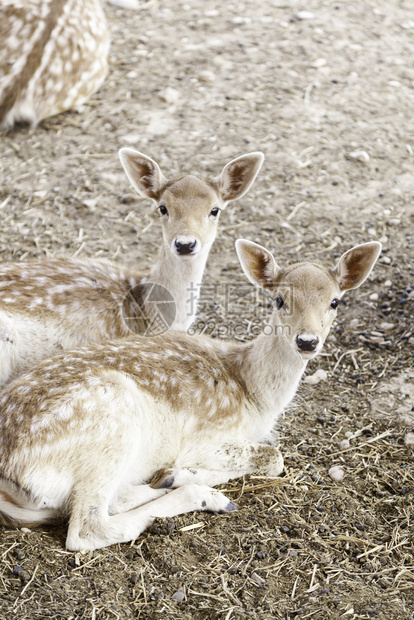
<point>53,56</point>
<point>56,304</point>
<point>84,431</point>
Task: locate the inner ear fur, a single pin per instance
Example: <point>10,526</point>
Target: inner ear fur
<point>238,176</point>
<point>143,173</point>
<point>257,263</point>
<point>356,264</point>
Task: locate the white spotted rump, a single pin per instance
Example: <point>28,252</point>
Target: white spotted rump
<point>53,56</point>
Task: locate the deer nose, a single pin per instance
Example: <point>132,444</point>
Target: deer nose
<point>307,344</point>
<point>185,248</point>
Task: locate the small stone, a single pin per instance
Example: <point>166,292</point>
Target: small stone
<point>42,193</point>
<point>179,596</point>
<point>25,530</point>
<point>374,297</point>
<point>409,440</point>
<point>386,260</point>
<point>91,203</point>
<point>394,221</point>
<point>239,20</point>
<point>361,156</point>
<point>336,473</point>
<point>255,577</point>
<point>132,138</point>
<point>206,76</point>
<point>305,15</point>
<point>348,434</point>
<point>134,578</point>
<point>319,375</point>
<point>319,62</point>
<point>387,326</point>
<point>170,95</point>
<point>23,575</point>
<point>387,283</point>
<point>344,444</point>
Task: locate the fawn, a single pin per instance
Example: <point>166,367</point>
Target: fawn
<point>56,304</point>
<point>84,431</point>
<point>53,56</point>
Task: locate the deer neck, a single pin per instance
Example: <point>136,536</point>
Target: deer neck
<point>182,277</point>
<point>270,369</point>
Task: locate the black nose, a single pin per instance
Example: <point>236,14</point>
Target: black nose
<point>304,344</point>
<point>185,248</point>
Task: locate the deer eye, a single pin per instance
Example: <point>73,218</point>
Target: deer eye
<point>214,212</point>
<point>163,210</point>
<point>334,304</point>
<point>279,302</point>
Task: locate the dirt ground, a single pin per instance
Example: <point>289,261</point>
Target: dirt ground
<point>326,90</point>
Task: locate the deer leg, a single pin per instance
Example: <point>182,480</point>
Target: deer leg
<point>132,496</point>
<point>234,460</point>
<point>91,527</point>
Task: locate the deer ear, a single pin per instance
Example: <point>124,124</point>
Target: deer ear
<point>355,265</point>
<point>257,263</point>
<point>238,176</point>
<point>143,173</point>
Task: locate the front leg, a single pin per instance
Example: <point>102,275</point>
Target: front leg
<point>131,496</point>
<point>90,527</point>
<point>230,461</point>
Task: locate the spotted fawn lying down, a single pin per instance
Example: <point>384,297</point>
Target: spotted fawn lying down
<point>60,303</point>
<point>53,56</point>
<point>85,430</point>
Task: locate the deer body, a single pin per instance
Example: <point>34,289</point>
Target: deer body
<point>191,410</point>
<point>61,303</point>
<point>53,56</point>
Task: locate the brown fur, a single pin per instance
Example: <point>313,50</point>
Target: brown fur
<point>170,366</point>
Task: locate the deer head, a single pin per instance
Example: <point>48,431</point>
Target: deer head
<point>306,295</point>
<point>189,207</point>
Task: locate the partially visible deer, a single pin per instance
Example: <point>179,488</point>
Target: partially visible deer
<point>53,56</point>
<point>60,303</point>
<point>84,431</point>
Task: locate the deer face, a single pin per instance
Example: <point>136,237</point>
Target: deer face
<point>189,210</point>
<point>306,298</point>
<point>306,295</point>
